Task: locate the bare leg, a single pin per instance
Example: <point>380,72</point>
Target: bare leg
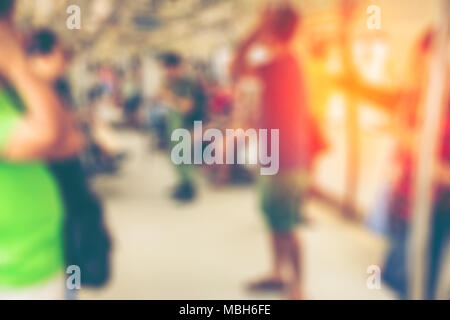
<point>287,254</point>
<point>279,256</point>
<point>293,249</point>
<point>274,281</point>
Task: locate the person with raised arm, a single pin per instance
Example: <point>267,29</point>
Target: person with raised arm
<point>34,128</point>
<point>283,107</point>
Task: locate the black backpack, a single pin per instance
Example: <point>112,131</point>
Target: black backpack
<point>87,243</point>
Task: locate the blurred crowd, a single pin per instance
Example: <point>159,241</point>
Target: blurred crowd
<point>52,147</point>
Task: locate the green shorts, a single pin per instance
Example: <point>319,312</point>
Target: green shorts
<point>281,199</point>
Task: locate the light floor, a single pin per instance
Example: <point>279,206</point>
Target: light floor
<point>209,249</point>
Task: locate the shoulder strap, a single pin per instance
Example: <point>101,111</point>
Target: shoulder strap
<point>9,98</point>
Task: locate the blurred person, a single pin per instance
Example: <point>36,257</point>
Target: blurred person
<point>48,60</point>
<point>104,114</point>
<point>222,116</point>
<point>407,108</point>
<point>404,103</point>
<point>283,107</point>
<point>187,103</point>
<point>34,127</point>
<point>109,81</point>
<point>407,122</point>
<point>101,154</point>
<point>132,99</point>
<point>157,116</point>
<point>83,209</point>
<point>440,231</point>
<point>220,104</point>
<point>104,107</point>
<point>408,115</point>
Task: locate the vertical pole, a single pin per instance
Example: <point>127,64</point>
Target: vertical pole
<point>352,129</point>
<point>422,206</point>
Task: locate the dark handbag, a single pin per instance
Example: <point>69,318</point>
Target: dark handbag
<point>86,239</point>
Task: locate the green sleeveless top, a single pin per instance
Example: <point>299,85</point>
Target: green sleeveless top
<point>30,212</point>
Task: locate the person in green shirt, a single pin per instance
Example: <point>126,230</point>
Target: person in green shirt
<point>187,103</point>
<point>34,128</point>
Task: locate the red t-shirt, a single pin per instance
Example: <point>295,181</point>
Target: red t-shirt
<point>284,107</point>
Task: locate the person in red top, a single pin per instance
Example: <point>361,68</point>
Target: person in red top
<point>402,198</point>
<point>440,233</point>
<point>283,107</point>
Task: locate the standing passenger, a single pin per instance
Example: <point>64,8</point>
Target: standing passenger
<point>33,128</point>
<point>284,108</point>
